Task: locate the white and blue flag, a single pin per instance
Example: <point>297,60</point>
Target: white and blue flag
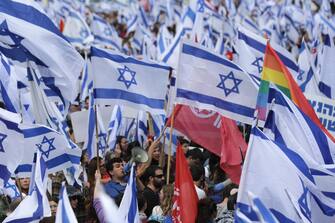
<point>55,149</point>
<point>64,212</point>
<point>128,210</point>
<point>114,126</point>
<point>282,171</point>
<point>142,128</point>
<point>127,81</point>
<point>25,31</point>
<point>208,81</point>
<point>104,33</point>
<point>36,201</point>
<point>8,85</point>
<point>251,50</point>
<point>11,145</point>
<point>11,189</point>
<point>287,125</point>
<point>76,29</point>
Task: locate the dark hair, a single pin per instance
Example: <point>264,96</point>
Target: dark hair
<point>150,172</point>
<point>206,210</point>
<point>196,154</point>
<point>109,165</point>
<point>197,171</point>
<point>226,190</point>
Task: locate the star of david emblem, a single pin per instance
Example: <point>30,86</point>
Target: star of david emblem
<point>229,83</point>
<point>301,74</point>
<point>83,33</point>
<point>201,5</point>
<point>2,138</point>
<point>12,187</point>
<point>45,150</point>
<point>102,143</point>
<point>125,75</point>
<point>108,31</point>
<point>14,40</point>
<point>259,64</point>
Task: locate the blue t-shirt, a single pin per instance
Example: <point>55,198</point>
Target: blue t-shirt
<point>114,189</point>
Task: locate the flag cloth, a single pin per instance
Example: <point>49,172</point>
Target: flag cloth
<point>128,210</point>
<point>114,126</point>
<point>263,213</point>
<point>64,212</point>
<point>233,149</point>
<point>289,126</point>
<point>282,170</point>
<point>208,81</point>
<point>37,201</point>
<point>11,145</point>
<point>185,206</point>
<point>26,30</point>
<point>215,133</point>
<point>142,128</point>
<point>201,126</point>
<point>56,151</point>
<point>274,71</point>
<point>135,83</point>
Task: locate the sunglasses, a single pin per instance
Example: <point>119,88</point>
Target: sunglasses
<point>159,176</point>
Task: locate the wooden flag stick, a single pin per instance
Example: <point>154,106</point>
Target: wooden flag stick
<point>170,148</point>
<point>97,136</point>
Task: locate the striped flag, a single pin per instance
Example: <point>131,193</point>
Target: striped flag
<point>114,126</point>
<point>64,212</point>
<point>274,71</point>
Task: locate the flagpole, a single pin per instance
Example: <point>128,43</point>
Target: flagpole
<point>170,148</point>
<point>19,186</point>
<point>162,155</point>
<point>96,136</point>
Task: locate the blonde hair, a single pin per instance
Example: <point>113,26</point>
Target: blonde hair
<point>167,201</point>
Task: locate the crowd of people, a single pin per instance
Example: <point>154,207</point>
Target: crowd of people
<point>216,193</point>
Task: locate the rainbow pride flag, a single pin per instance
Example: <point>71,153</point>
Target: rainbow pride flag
<point>274,71</point>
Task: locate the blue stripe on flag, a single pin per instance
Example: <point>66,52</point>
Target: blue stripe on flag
<point>120,59</point>
<point>35,17</point>
<point>261,48</point>
<point>217,102</point>
<point>103,93</point>
<point>200,53</point>
<point>28,133</point>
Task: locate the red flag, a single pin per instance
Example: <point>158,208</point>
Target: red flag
<point>201,126</point>
<point>185,206</point>
<point>233,149</point>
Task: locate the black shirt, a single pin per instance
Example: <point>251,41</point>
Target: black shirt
<point>152,199</point>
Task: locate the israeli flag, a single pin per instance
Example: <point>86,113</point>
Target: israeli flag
<point>263,213</point>
<point>114,126</point>
<point>128,128</point>
<point>142,127</point>
<point>131,24</point>
<point>37,201</point>
<point>11,145</point>
<point>11,189</point>
<point>76,29</point>
<point>171,54</point>
<point>64,212</point>
<point>282,171</point>
<point>291,127</point>
<point>123,80</point>
<point>128,209</point>
<point>327,79</point>
<point>26,30</point>
<point>158,122</point>
<point>209,81</point>
<point>96,141</point>
<point>251,50</point>
<point>55,149</point>
<point>104,33</point>
<point>8,85</point>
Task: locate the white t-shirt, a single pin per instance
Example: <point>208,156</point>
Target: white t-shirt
<point>200,192</point>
